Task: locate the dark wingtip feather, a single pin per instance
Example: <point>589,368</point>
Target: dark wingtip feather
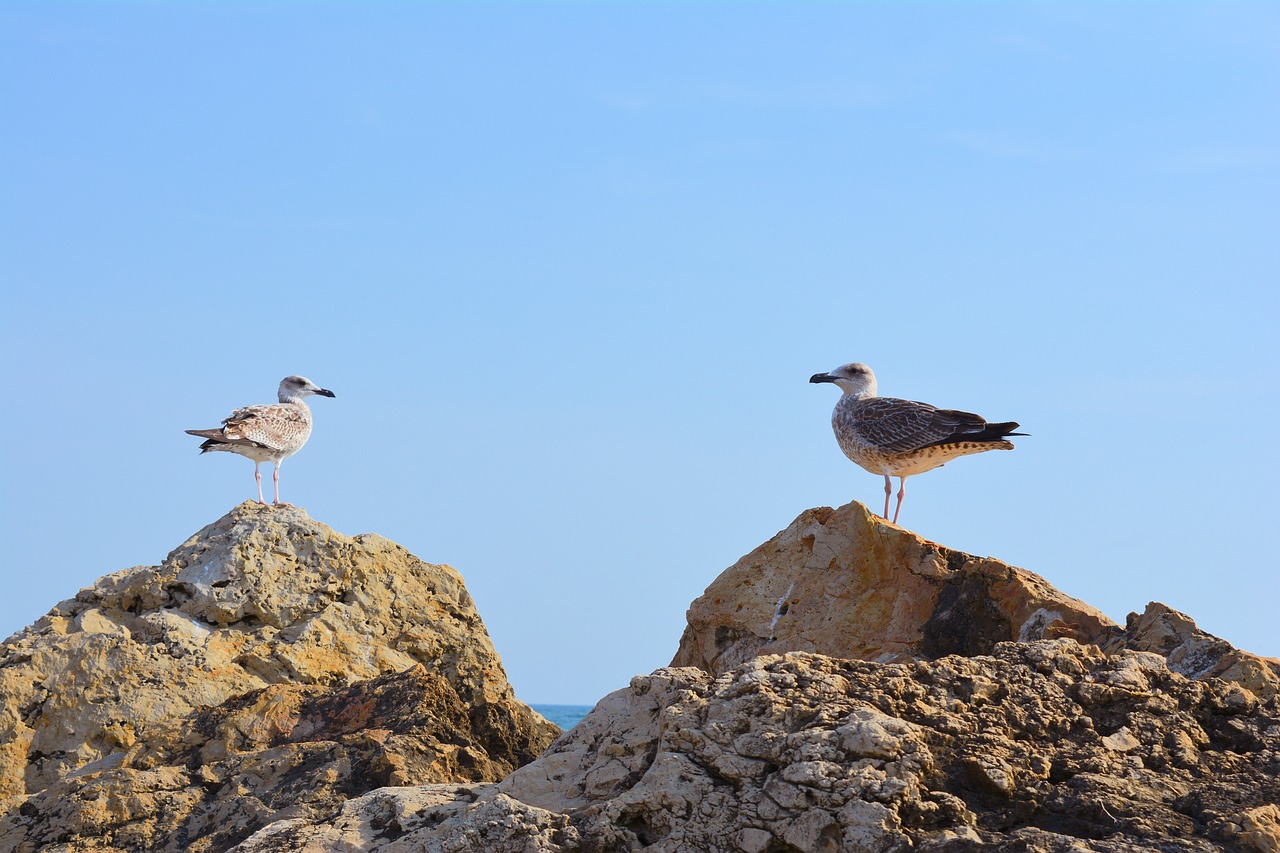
<point>1006,428</point>
<point>992,433</point>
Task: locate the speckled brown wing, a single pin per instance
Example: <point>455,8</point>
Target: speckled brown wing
<point>901,426</point>
<point>273,427</point>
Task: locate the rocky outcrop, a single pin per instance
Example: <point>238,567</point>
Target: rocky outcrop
<point>1044,746</point>
<point>270,666</point>
<point>845,583</point>
<point>927,700</point>
<point>847,686</point>
<point>1195,653</point>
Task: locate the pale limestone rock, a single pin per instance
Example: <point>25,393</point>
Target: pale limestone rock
<point>1121,741</point>
<point>424,819</point>
<point>622,729</point>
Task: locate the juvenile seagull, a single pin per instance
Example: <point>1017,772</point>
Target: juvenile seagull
<point>269,433</point>
<point>898,438</point>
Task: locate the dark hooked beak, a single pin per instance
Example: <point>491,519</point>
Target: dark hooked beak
<point>326,393</point>
<point>821,377</point>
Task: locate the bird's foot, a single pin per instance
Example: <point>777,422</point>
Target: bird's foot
<point>281,504</point>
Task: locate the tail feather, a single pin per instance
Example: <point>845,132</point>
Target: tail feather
<point>214,439</point>
<point>1006,428</point>
<point>990,433</point>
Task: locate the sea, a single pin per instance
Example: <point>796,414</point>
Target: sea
<point>564,716</point>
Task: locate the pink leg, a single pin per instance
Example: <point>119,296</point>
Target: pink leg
<point>275,478</point>
<point>257,475</point>
<point>902,491</point>
<point>888,489</point>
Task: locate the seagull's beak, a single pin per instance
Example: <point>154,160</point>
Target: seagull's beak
<point>326,393</point>
<point>821,377</point>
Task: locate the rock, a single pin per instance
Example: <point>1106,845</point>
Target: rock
<point>270,666</point>
<point>611,748</point>
<point>845,583</point>
<point>1260,829</point>
<point>802,752</point>
<point>846,686</point>
<point>425,819</point>
<point>1194,653</point>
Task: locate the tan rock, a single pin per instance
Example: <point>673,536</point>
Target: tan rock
<point>269,663</point>
<point>287,750</point>
<point>1195,653</point>
<point>1260,829</point>
<point>846,583</point>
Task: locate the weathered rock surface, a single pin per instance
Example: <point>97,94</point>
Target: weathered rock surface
<point>426,819</point>
<point>1051,742</point>
<point>928,700</point>
<point>1046,746</point>
<point>1195,653</point>
<point>847,686</point>
<point>845,583</point>
<point>269,667</point>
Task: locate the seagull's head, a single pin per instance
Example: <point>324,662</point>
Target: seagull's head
<point>854,378</point>
<point>295,388</point>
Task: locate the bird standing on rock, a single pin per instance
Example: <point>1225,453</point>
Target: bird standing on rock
<point>899,438</point>
<point>268,433</point>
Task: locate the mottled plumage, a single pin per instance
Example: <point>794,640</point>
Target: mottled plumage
<point>267,433</point>
<point>900,438</point>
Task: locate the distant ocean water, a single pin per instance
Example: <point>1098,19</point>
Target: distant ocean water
<point>564,716</point>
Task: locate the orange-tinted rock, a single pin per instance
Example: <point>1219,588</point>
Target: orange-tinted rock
<point>843,582</point>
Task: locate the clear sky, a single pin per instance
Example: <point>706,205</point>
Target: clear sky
<point>568,268</point>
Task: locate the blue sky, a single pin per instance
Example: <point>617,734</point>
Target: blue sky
<point>569,267</point>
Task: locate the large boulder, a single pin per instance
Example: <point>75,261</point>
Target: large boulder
<point>269,665</point>
<point>845,583</point>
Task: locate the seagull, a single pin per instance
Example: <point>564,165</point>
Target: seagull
<point>899,438</point>
<point>268,433</point>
